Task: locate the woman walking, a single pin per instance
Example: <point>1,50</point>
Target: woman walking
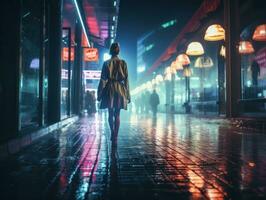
<point>113,89</point>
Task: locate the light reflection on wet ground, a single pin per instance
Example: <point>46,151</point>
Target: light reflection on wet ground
<point>168,157</point>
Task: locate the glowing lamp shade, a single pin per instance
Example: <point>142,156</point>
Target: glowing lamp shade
<point>178,66</point>
<point>167,70</point>
<point>260,33</point>
<point>149,85</point>
<point>153,81</point>
<point>245,47</point>
<point>159,78</point>
<point>222,51</point>
<point>183,59</point>
<point>187,72</point>
<point>195,49</point>
<point>214,32</point>
<point>173,67</point>
<point>168,77</point>
<point>203,62</point>
<point>143,87</point>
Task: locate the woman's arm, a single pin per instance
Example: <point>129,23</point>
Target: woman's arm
<point>127,83</point>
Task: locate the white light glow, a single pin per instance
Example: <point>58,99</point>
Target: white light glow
<point>106,56</point>
<point>141,69</point>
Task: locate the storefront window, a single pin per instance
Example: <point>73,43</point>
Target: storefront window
<point>204,81</point>
<point>253,74</point>
<point>252,49</point>
<point>68,44</point>
<point>30,62</point>
<point>67,58</point>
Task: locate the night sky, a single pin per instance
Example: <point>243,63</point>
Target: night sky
<point>137,17</point>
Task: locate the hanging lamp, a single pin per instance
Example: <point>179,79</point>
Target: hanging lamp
<point>183,59</point>
<point>195,49</point>
<point>203,62</point>
<point>245,47</point>
<point>260,33</point>
<point>214,32</point>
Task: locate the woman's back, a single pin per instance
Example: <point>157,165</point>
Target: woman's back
<point>113,87</point>
<point>116,69</point>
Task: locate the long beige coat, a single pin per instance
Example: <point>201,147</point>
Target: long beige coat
<point>113,89</point>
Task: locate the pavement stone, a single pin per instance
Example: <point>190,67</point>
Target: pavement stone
<point>167,157</point>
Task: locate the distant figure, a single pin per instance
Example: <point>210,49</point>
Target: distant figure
<point>113,89</point>
<point>255,72</point>
<point>154,102</point>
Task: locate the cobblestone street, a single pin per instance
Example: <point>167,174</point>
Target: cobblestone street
<point>171,157</point>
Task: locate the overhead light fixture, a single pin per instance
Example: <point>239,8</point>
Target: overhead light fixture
<point>159,78</point>
<point>203,62</point>
<point>245,47</point>
<point>148,85</point>
<point>168,77</point>
<point>153,81</point>
<point>195,49</point>
<point>167,70</point>
<point>183,59</point>
<point>260,33</point>
<point>176,65</point>
<point>214,32</point>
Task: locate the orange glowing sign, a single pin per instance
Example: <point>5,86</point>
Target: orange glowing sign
<point>90,54</point>
<point>65,54</point>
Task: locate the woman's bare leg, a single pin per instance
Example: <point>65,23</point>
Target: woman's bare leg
<point>117,122</point>
<point>111,121</point>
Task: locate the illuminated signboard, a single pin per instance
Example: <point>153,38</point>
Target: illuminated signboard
<point>64,74</point>
<point>65,54</point>
<point>90,54</point>
<point>92,74</point>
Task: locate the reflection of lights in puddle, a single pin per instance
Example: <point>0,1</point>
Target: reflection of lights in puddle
<point>195,179</point>
<point>214,194</point>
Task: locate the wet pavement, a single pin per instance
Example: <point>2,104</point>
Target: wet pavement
<point>168,157</point>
